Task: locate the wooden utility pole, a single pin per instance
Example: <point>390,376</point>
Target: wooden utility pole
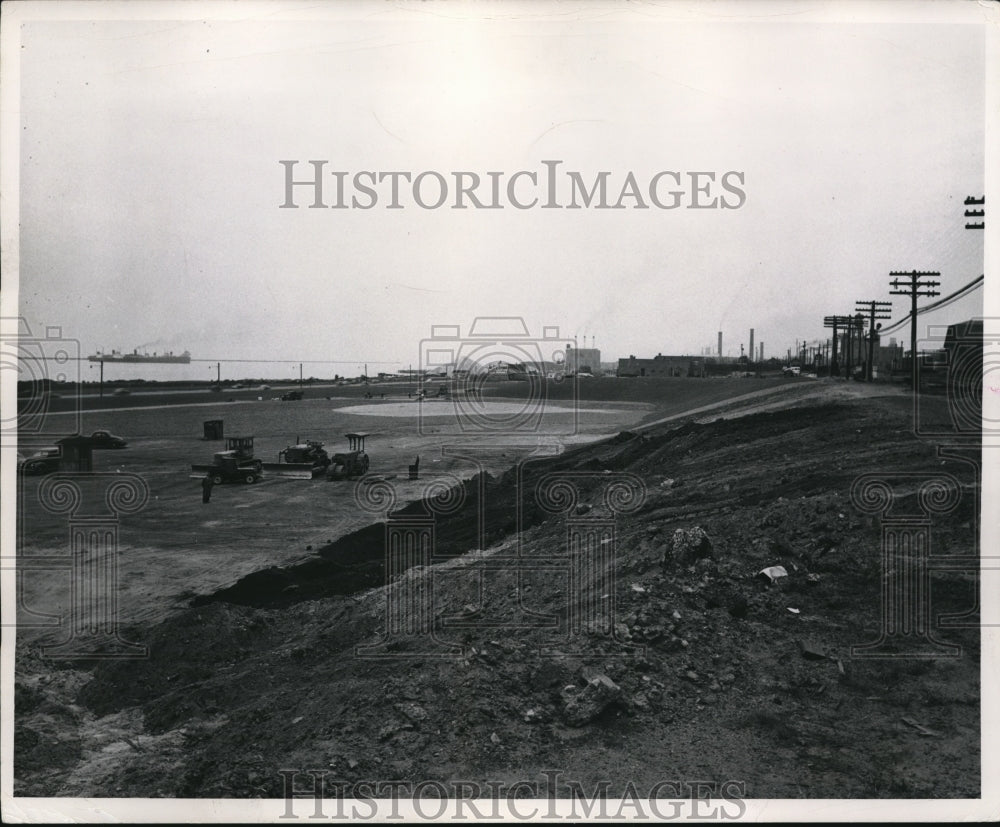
<point>914,284</point>
<point>876,310</point>
<point>837,323</point>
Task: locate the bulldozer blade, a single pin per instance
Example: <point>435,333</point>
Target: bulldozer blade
<point>295,470</point>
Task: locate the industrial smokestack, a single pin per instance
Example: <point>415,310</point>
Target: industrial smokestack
<point>750,350</point>
<point>761,359</point>
<point>720,344</point>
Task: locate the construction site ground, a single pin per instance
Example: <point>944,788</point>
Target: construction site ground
<point>264,611</point>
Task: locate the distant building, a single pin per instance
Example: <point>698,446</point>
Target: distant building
<point>583,360</point>
<point>661,366</point>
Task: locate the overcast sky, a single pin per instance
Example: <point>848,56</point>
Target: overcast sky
<point>151,186</point>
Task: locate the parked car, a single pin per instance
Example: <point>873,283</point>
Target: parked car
<point>106,439</point>
<point>291,396</point>
<point>42,461</point>
<point>121,392</point>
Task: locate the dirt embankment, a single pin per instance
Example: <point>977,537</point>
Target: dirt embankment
<point>667,658</point>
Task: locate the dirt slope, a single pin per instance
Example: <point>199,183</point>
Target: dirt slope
<point>709,673</point>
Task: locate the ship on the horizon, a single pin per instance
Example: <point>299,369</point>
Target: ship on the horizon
<point>165,358</point>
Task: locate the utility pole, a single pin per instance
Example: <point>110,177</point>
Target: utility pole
<point>980,214</point>
<point>300,376</point>
<point>913,284</point>
<point>837,323</point>
<point>876,310</point>
<point>218,374</point>
<point>102,380</point>
<point>855,326</point>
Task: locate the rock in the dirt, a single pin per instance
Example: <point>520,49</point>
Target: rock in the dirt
<point>583,705</point>
<point>688,545</point>
<point>811,652</point>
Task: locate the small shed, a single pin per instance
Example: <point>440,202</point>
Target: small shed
<point>213,429</point>
<point>77,453</point>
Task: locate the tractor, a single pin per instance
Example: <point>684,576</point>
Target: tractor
<point>309,452</point>
<point>236,463</point>
<point>353,463</point>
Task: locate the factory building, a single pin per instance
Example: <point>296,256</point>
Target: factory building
<point>662,366</point>
<point>583,360</point>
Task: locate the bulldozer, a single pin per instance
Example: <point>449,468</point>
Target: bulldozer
<point>352,463</point>
<point>236,464</point>
<point>309,452</point>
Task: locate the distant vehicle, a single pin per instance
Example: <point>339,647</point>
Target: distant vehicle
<point>121,392</point>
<point>237,387</point>
<point>43,461</point>
<point>106,439</point>
<point>236,464</point>
<point>291,396</point>
<point>310,451</point>
<point>351,463</point>
<point>792,370</point>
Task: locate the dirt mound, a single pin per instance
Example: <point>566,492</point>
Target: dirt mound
<point>651,665</point>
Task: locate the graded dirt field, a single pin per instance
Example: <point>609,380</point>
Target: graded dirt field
<point>177,547</point>
<point>668,656</point>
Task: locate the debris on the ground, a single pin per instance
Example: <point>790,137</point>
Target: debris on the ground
<point>811,652</point>
<point>688,545</point>
<point>920,727</point>
<point>582,705</point>
<point>772,573</point>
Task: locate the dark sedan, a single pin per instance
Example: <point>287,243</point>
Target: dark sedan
<point>106,439</point>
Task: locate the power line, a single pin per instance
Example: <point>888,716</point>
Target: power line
<point>942,302</point>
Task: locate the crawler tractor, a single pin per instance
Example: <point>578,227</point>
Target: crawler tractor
<point>309,452</point>
<point>236,463</point>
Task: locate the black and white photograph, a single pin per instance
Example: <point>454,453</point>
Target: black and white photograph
<point>513,411</point>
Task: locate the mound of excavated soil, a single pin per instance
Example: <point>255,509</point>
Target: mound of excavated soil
<point>706,669</point>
